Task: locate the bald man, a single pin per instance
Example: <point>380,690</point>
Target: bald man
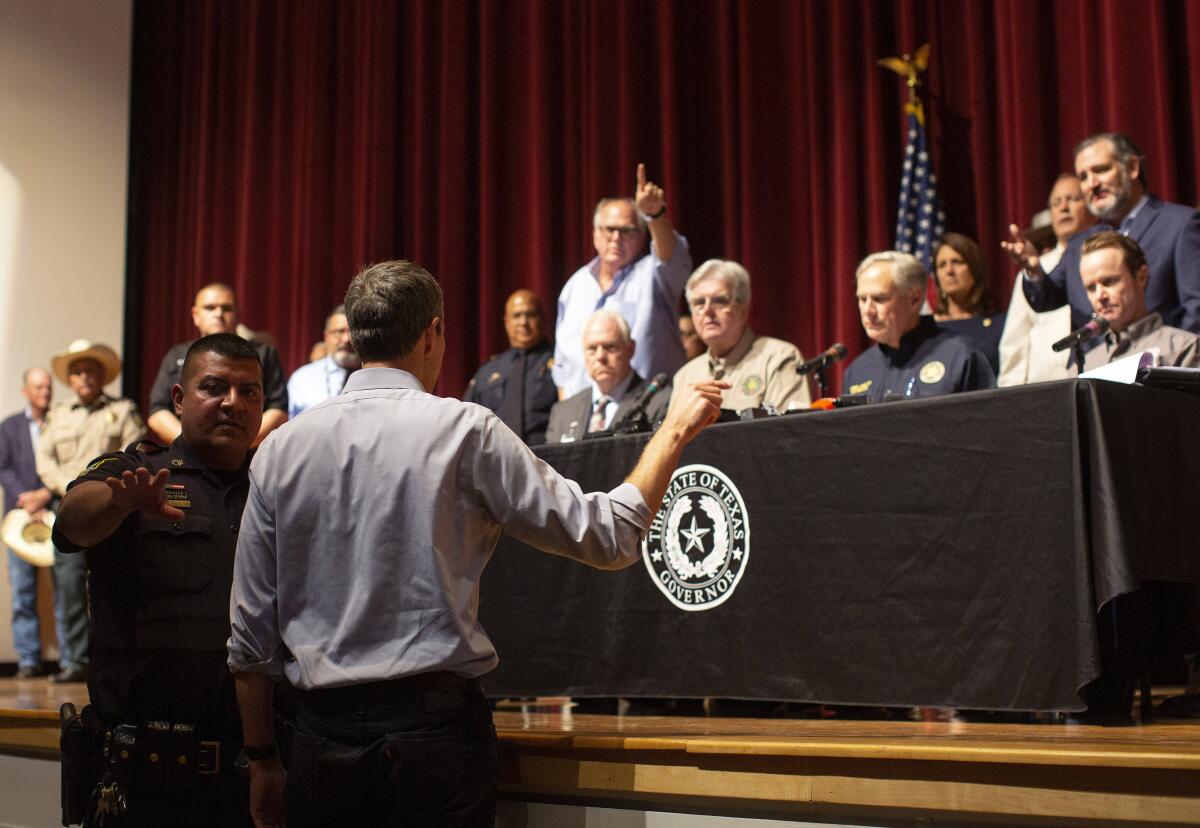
<point>215,311</point>
<point>517,384</point>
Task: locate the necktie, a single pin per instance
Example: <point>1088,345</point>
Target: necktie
<point>598,421</point>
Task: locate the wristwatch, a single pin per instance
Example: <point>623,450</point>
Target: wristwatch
<point>255,754</point>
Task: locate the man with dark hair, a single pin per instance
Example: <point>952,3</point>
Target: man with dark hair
<point>1114,274</point>
<point>643,287</point>
<point>215,311</point>
<point>23,489</point>
<point>517,384</point>
<point>369,522</point>
<point>159,527</point>
<point>1112,172</point>
<point>323,378</point>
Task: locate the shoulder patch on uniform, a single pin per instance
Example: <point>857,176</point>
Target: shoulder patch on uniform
<point>147,447</point>
<point>861,387</point>
<point>932,371</point>
<point>97,465</point>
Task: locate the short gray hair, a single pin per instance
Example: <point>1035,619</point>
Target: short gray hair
<point>908,274</point>
<point>617,319</point>
<point>389,305</point>
<point>733,273</point>
<point>604,202</point>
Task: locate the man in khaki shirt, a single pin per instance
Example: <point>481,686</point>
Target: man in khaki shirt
<point>762,370</point>
<point>78,430</point>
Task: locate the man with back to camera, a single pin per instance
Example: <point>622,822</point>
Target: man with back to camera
<point>1112,173</point>
<point>912,356</point>
<point>397,497</point>
<point>323,378</point>
<point>159,528</point>
<point>1114,273</point>
<point>760,369</point>
<point>78,429</point>
<point>23,489</point>
<point>215,311</point>
<point>1025,346</point>
<point>615,389</point>
<point>642,287</point>
<point>517,385</point>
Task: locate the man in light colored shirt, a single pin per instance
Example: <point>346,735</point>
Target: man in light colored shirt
<point>323,378</point>
<point>760,369</point>
<point>608,350</point>
<point>1025,352</point>
<point>19,435</point>
<point>367,525</point>
<point>1114,273</point>
<point>1112,173</point>
<point>78,430</point>
<point>642,287</point>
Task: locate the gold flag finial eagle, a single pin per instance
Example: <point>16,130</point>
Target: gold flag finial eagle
<point>910,68</point>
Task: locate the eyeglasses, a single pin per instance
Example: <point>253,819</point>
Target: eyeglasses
<point>720,302</point>
<point>625,232</point>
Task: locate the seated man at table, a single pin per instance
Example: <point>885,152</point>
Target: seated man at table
<point>761,369</point>
<point>616,388</point>
<point>912,356</point>
<point>1114,273</point>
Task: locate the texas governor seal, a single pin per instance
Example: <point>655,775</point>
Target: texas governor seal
<point>699,542</point>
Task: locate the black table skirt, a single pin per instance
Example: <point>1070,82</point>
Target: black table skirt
<point>942,552</point>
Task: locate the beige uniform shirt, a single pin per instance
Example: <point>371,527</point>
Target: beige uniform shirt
<point>76,434</point>
<point>762,370</point>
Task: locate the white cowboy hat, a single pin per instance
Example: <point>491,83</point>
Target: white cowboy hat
<point>28,538</point>
<point>86,349</point>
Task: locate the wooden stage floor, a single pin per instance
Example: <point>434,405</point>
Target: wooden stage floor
<point>874,772</point>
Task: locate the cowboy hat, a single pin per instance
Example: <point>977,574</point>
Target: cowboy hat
<point>86,349</point>
<point>28,538</point>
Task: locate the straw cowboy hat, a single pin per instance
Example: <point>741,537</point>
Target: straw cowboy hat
<point>86,349</point>
<point>29,539</point>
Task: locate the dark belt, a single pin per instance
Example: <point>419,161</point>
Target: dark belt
<point>439,680</point>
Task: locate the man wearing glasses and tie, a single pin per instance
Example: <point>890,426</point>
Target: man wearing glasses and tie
<point>642,286</point>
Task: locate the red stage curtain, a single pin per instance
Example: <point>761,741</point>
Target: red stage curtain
<point>277,145</point>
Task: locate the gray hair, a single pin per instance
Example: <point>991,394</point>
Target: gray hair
<point>1123,149</point>
<point>733,273</point>
<point>604,202</point>
<point>389,305</point>
<point>616,318</point>
<point>908,274</point>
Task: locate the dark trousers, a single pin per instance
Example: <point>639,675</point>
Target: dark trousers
<point>70,609</point>
<point>384,754</point>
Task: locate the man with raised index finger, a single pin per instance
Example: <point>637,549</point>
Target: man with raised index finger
<point>642,286</point>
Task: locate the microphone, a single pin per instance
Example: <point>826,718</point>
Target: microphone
<point>635,419</point>
<point>836,351</point>
<point>1094,327</point>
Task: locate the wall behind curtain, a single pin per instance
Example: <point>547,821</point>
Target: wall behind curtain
<point>280,144</point>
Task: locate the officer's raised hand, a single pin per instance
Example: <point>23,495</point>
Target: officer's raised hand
<point>136,490</point>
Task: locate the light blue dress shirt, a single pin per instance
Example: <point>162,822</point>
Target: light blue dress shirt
<point>369,521</point>
<point>646,294</point>
<point>314,383</point>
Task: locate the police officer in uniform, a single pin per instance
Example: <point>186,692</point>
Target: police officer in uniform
<point>159,527</point>
<point>517,384</point>
<point>912,356</point>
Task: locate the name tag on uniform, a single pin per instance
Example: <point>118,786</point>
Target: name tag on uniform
<point>177,496</point>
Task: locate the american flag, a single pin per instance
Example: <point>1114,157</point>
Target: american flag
<point>920,220</point>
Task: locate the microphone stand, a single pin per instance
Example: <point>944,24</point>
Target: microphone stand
<point>822,381</point>
<point>1077,352</point>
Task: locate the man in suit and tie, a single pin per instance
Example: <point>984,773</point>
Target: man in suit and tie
<point>1112,173</point>
<point>615,388</point>
<point>23,489</point>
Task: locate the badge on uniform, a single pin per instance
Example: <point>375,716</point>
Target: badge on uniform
<point>752,384</point>
<point>177,496</point>
<point>861,388</point>
<point>495,376</point>
<point>932,371</point>
<point>111,416</point>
